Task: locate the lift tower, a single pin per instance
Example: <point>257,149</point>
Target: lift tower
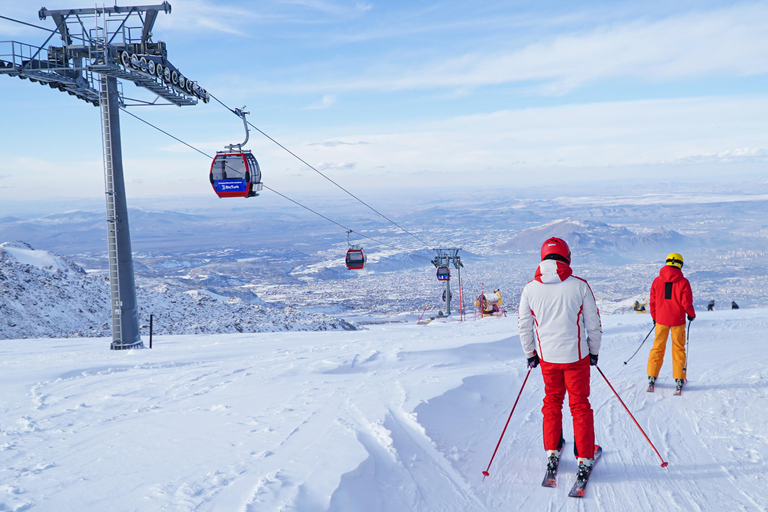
<point>100,47</point>
<point>447,258</point>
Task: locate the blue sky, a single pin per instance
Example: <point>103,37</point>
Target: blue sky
<point>418,94</point>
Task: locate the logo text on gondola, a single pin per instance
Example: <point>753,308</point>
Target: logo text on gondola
<point>152,66</point>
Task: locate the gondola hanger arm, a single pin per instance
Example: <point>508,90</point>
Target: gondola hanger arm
<point>241,113</point>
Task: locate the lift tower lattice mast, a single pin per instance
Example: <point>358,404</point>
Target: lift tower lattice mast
<point>100,47</point>
<point>447,258</point>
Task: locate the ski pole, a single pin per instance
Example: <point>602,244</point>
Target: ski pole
<point>641,344</point>
<point>422,313</point>
<point>485,473</point>
<point>664,464</point>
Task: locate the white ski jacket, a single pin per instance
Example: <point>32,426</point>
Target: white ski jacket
<point>558,316</point>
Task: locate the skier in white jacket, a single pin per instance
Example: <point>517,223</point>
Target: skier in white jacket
<point>559,326</point>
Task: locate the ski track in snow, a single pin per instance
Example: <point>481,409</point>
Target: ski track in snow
<point>395,418</point>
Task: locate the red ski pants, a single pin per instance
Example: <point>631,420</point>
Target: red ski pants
<point>572,378</point>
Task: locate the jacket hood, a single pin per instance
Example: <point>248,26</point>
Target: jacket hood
<point>552,271</point>
<point>670,274</point>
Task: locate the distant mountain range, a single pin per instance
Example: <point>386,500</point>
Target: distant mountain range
<point>228,266</point>
<point>597,237</point>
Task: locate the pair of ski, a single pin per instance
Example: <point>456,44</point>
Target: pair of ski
<point>580,486</point>
<point>678,389</point>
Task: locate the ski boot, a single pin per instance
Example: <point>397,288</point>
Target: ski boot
<point>585,468</point>
<point>553,460</point>
<point>651,383</point>
<point>553,456</point>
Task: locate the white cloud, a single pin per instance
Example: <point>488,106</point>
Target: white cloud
<point>336,166</point>
<point>325,102</point>
<point>199,15</point>
<point>601,140</point>
<point>345,9</point>
<point>737,155</point>
<point>730,41</point>
<point>334,143</point>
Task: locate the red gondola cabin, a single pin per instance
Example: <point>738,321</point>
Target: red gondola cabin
<point>355,259</point>
<point>235,174</point>
<point>443,274</point>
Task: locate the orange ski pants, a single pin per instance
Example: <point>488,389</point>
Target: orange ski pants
<point>656,357</point>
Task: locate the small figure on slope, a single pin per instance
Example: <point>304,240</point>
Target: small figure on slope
<point>671,301</point>
<point>711,305</point>
<point>734,305</point>
<point>490,305</point>
<point>560,328</point>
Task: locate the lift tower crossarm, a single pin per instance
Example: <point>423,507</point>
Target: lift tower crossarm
<point>151,11</point>
<point>165,7</point>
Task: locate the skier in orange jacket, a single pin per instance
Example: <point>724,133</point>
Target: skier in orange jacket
<point>671,300</point>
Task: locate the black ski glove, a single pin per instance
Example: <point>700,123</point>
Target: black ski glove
<point>593,359</point>
<point>691,318</point>
<point>533,361</point>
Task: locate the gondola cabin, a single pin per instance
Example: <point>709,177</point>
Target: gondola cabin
<point>443,274</point>
<point>355,259</point>
<point>235,174</point>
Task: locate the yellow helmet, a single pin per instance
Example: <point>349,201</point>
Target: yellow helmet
<point>675,260</point>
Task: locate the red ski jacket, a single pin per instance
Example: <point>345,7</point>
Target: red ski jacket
<point>671,297</point>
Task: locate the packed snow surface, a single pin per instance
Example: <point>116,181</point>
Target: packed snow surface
<point>398,417</point>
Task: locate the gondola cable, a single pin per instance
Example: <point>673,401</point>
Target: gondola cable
<point>27,24</point>
<point>265,186</point>
<point>239,114</point>
<point>235,111</point>
<point>322,174</point>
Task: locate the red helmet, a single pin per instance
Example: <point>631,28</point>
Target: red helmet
<point>556,249</point>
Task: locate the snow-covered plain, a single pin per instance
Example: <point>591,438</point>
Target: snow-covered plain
<point>398,417</point>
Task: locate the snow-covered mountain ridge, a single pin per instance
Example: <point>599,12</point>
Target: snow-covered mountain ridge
<point>597,236</point>
<point>44,295</point>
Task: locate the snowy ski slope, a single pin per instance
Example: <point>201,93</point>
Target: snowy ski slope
<point>395,418</point>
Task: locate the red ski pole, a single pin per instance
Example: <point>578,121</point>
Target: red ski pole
<point>664,464</point>
<point>422,313</point>
<point>485,473</point>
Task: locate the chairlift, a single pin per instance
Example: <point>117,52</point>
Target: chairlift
<point>355,259</point>
<point>235,171</point>
<point>443,273</point>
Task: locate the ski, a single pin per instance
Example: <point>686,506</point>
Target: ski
<point>550,479</point>
<point>577,491</point>
<point>679,389</point>
<point>650,388</point>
